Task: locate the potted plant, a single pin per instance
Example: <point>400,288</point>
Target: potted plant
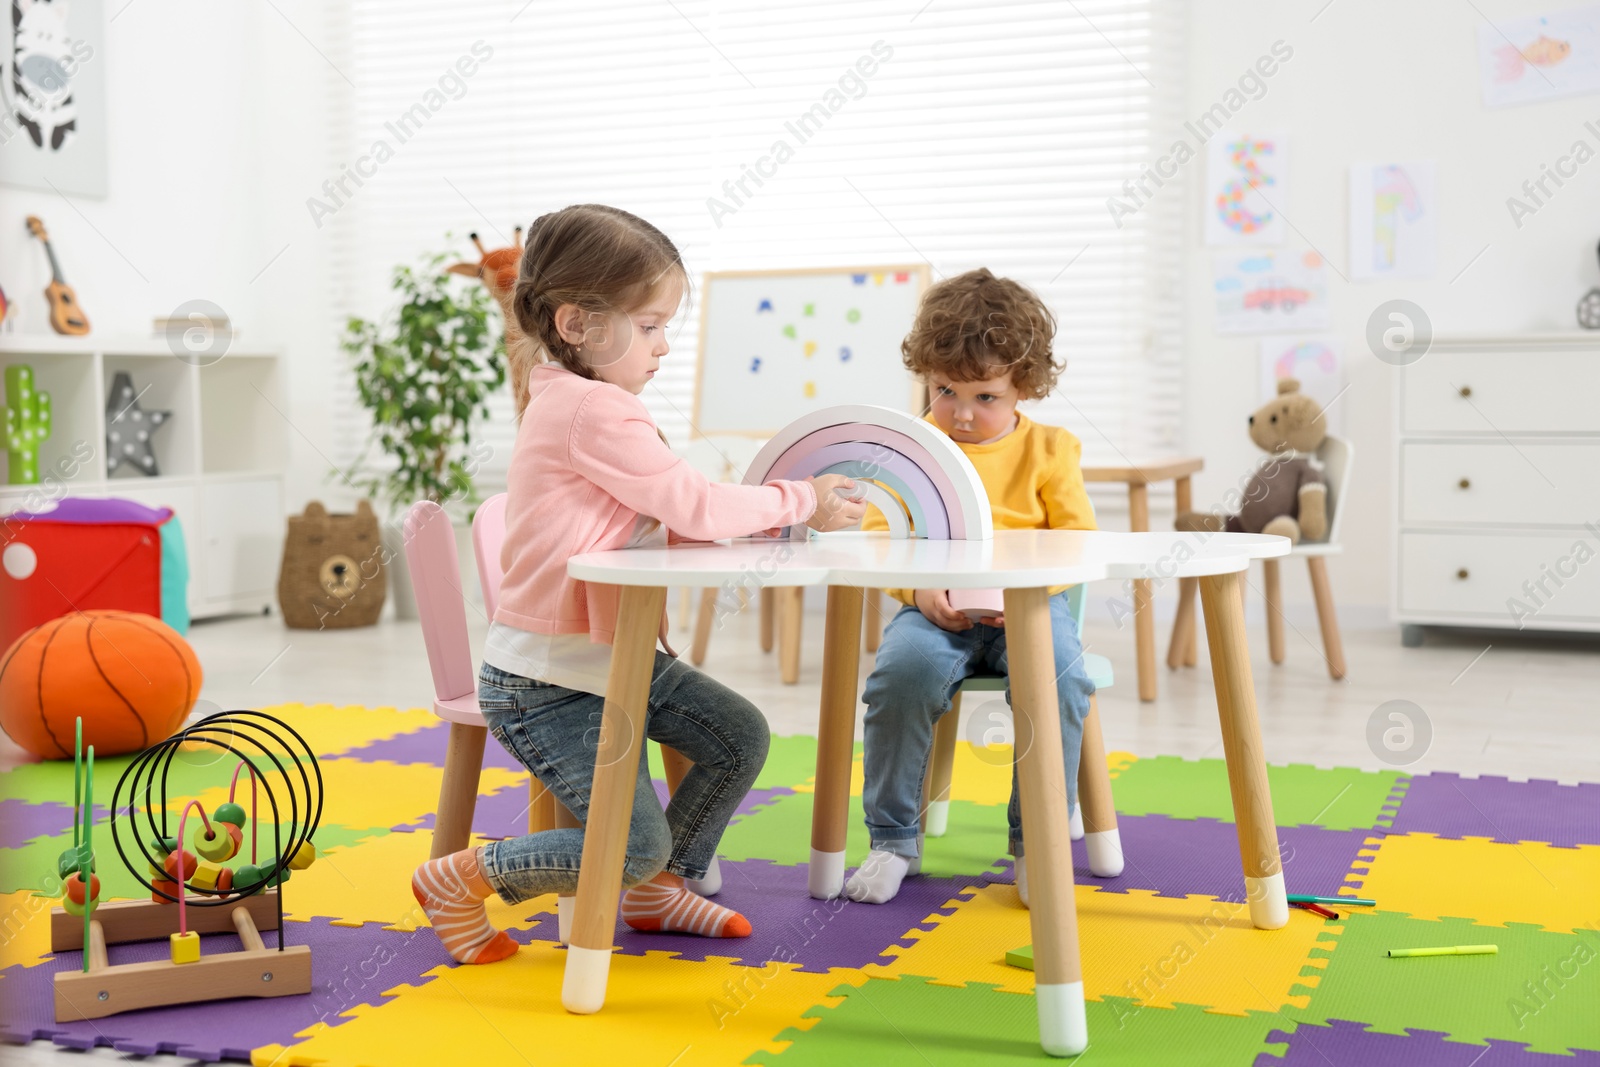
<point>425,373</point>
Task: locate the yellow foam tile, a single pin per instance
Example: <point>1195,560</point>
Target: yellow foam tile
<point>1490,882</point>
<point>659,1010</point>
<point>979,774</point>
<point>25,928</point>
<point>361,793</point>
<point>329,730</point>
<point>1159,951</point>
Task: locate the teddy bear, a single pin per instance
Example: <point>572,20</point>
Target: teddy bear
<point>1286,495</point>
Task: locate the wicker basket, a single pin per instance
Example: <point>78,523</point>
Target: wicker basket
<point>334,570</point>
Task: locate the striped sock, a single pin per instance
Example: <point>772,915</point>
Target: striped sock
<point>451,890</point>
<point>664,904</point>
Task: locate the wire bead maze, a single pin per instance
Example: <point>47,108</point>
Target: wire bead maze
<point>192,892</point>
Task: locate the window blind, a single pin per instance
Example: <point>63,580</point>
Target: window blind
<point>986,134</point>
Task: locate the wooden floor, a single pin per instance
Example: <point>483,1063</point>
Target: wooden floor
<point>1498,703</point>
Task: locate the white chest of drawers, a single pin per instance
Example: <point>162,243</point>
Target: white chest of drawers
<point>1498,486</point>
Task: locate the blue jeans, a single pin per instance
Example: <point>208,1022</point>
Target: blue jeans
<point>919,669</point>
<point>555,733</point>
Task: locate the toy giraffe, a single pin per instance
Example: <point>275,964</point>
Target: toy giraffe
<point>27,424</point>
<point>497,270</point>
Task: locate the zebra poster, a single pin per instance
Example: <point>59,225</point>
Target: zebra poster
<point>52,96</point>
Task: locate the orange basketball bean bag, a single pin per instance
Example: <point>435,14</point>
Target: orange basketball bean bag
<point>130,676</point>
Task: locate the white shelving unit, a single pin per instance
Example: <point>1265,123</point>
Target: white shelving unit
<point>221,455</point>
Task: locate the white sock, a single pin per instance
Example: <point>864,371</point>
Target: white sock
<point>1021,869</point>
<point>710,885</point>
<point>878,878</point>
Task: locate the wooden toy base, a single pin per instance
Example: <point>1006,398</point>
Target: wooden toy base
<point>254,971</point>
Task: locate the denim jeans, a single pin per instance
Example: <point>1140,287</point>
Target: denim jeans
<point>919,669</point>
<point>555,733</point>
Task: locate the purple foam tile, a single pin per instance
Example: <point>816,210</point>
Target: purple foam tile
<point>428,746</point>
<point>1342,1042</point>
<point>1452,806</point>
<point>505,813</point>
<point>790,926</point>
<point>1200,857</point>
<point>21,822</point>
<point>349,966</point>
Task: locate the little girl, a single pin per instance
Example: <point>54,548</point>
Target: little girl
<point>590,472</point>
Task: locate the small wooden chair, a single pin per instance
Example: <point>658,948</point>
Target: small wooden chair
<point>1334,455</point>
<point>1094,820</point>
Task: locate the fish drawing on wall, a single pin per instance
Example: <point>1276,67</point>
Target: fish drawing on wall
<point>1511,62</point>
<point>39,79</point>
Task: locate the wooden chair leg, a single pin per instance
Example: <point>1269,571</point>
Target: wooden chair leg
<point>1100,837</point>
<point>873,625</point>
<point>685,608</point>
<point>836,730</point>
<point>541,806</point>
<point>768,610</point>
<point>1274,610</point>
<point>1182,643</point>
<point>941,765</point>
<point>676,765</point>
<point>1144,616</point>
<point>790,619</point>
<point>1332,643</point>
<point>458,792</point>
<point>702,626</point>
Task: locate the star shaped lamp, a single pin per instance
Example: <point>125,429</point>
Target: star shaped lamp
<point>129,427</point>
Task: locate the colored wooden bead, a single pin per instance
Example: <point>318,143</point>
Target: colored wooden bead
<point>247,876</point>
<point>67,862</point>
<point>231,814</point>
<point>304,856</point>
<point>222,844</point>
<point>189,862</point>
<point>185,947</point>
<point>280,878</point>
<point>225,881</point>
<point>163,845</point>
<point>74,887</point>
<point>71,907</point>
<point>172,889</point>
<point>205,875</point>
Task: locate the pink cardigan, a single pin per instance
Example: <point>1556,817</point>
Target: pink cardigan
<point>587,463</point>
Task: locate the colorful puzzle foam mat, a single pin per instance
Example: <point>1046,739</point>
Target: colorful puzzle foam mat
<point>1173,969</point>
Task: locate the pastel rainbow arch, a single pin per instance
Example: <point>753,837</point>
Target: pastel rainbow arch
<point>884,449</point>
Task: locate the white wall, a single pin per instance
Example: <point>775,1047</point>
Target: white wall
<point>218,124</point>
<point>1381,80</point>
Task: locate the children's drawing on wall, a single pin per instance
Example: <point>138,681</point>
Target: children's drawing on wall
<point>1270,292</point>
<point>1541,57</point>
<point>52,96</point>
<point>1394,221</point>
<point>1246,188</point>
<point>1312,361</point>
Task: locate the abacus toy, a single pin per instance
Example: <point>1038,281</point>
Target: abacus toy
<point>245,898</point>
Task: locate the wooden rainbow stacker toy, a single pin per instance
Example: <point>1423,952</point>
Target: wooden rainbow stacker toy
<point>193,892</point>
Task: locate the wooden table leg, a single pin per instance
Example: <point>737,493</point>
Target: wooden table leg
<point>768,609</point>
<point>458,792</point>
<point>1274,609</point>
<point>791,619</point>
<point>616,771</point>
<point>702,625</point>
<point>1101,838</point>
<point>836,731</point>
<point>1241,744</point>
<point>1144,618</point>
<point>941,767</point>
<point>1041,779</point>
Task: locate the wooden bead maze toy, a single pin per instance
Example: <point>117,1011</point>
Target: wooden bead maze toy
<point>198,883</point>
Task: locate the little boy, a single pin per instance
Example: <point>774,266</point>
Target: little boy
<point>981,344</point>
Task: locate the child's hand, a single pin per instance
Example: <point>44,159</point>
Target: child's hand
<point>935,607</point>
<point>834,510</point>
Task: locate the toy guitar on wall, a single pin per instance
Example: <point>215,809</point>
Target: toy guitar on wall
<point>65,314</point>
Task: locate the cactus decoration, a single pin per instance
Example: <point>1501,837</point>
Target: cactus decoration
<point>129,428</point>
<point>27,424</point>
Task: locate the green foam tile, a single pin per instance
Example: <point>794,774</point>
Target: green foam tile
<point>781,833</point>
<point>1519,994</point>
<point>791,761</point>
<point>911,1022</point>
<point>1339,798</point>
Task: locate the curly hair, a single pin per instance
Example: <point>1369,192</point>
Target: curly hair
<point>601,259</point>
<point>975,326</point>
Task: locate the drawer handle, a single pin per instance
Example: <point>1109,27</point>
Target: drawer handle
<point>1465,483</point>
<point>1466,390</point>
<point>1462,574</point>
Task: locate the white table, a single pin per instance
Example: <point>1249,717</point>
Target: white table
<point>1025,563</point>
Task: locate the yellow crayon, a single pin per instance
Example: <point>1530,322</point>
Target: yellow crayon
<point>1457,950</point>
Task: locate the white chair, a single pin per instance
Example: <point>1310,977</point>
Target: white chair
<point>1334,455</point>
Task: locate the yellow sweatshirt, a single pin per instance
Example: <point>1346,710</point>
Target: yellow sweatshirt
<point>1034,480</point>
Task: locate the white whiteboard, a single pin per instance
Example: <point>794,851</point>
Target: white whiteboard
<point>776,345</point>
